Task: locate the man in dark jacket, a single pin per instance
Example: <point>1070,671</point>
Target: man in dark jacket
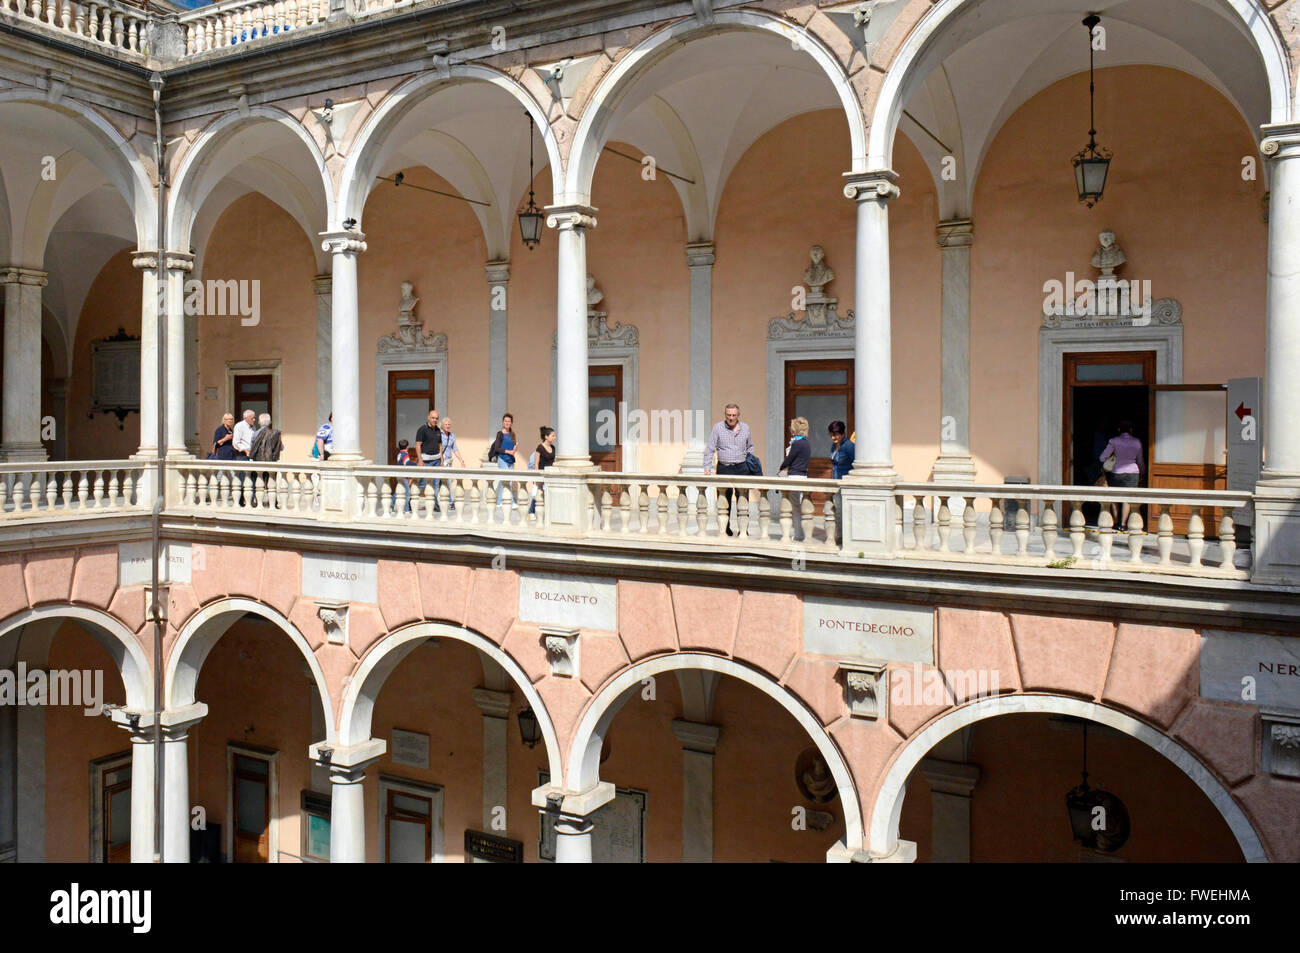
<point>268,444</point>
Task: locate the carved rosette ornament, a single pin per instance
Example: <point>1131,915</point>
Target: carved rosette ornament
<point>561,644</point>
<point>864,689</point>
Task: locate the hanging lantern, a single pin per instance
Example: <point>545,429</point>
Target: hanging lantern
<point>1091,163</point>
<point>530,216</point>
<point>1098,818</point>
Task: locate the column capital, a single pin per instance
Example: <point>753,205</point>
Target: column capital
<point>347,763</point>
<point>144,260</point>
<point>498,271</point>
<point>175,722</point>
<point>492,703</point>
<point>699,254</point>
<point>956,233</point>
<point>697,736</point>
<point>16,275</point>
<point>1280,140</point>
<point>322,285</point>
<point>880,185</point>
<point>950,777</point>
<point>343,242</point>
<point>554,799</point>
<point>571,216</point>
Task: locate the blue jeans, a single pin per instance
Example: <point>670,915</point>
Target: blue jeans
<point>437,484</point>
<point>504,464</point>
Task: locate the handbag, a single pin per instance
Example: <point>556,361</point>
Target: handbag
<point>1108,464</point>
<point>753,465</point>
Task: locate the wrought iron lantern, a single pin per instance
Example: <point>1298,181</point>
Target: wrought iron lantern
<point>530,216</point>
<point>530,731</point>
<point>1098,818</point>
<point>1091,163</point>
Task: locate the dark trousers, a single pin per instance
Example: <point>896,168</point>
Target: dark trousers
<point>731,469</point>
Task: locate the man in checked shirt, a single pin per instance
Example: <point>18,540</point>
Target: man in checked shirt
<point>731,441</point>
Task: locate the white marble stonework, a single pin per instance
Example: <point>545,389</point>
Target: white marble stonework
<point>1272,661</point>
<point>410,748</point>
<point>587,602</point>
<point>868,630</point>
<point>341,578</point>
<point>135,563</point>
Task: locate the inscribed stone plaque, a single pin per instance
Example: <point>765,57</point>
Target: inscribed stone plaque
<point>1236,664</point>
<point>410,748</point>
<point>886,631</point>
<point>135,563</point>
<point>587,602</point>
<point>340,578</point>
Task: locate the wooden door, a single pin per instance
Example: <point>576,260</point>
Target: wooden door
<point>1124,376</point>
<point>408,828</point>
<point>252,802</point>
<point>410,398</point>
<point>1189,450</point>
<point>604,394</point>
<point>821,391</point>
<point>254,392</point>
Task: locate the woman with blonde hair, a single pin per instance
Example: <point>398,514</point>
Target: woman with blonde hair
<point>798,453</point>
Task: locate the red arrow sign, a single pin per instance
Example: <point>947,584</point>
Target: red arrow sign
<point>1242,411</point>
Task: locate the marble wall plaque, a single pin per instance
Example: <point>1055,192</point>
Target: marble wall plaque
<point>410,748</point>
<point>135,563</point>
<point>886,631</point>
<point>1271,662</point>
<point>340,578</point>
<point>587,602</point>
<point>619,833</point>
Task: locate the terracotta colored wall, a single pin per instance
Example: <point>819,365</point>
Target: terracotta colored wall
<point>784,197</point>
<point>72,740</point>
<point>257,240</point>
<point>255,685</point>
<point>1027,766</point>
<point>113,302</point>
<point>1180,210</point>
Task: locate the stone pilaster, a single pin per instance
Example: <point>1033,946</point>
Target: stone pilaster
<point>699,743</point>
<point>700,259</point>
<point>955,464</point>
<point>21,421</point>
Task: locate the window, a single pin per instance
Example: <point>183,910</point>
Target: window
<point>410,822</point>
<point>315,827</point>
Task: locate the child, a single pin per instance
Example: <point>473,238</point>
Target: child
<point>404,460</point>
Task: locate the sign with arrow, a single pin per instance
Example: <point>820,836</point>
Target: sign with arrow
<point>1245,433</point>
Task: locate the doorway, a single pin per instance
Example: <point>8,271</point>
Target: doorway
<point>254,392</point>
<point>251,796</point>
<point>604,393</point>
<point>410,398</point>
<point>820,391</point>
<point>1102,390</point>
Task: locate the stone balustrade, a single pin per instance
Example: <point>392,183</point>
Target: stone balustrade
<point>1067,529</point>
<point>102,22</point>
<point>71,490</point>
<point>236,22</point>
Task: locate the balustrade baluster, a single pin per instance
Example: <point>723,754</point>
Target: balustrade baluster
<point>1227,541</point>
<point>112,488</point>
<point>34,491</point>
<point>807,519</point>
<point>785,515</point>
<point>724,513</point>
<point>944,523</point>
<point>920,523</point>
<point>1135,535</point>
<point>1078,525</point>
<point>1022,528</point>
<point>995,526</point>
<point>1105,533</point>
<point>832,523</point>
<point>764,517</point>
<point>1195,536</point>
<point>97,494</point>
<point>1165,536</point>
<point>52,492</point>
<point>969,519</point>
<point>1049,525</point>
<point>66,490</point>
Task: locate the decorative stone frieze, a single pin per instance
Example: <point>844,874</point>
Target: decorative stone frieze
<point>410,335</point>
<point>820,318</point>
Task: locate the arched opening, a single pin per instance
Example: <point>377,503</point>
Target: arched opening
<point>1007,763</point>
<point>741,770</point>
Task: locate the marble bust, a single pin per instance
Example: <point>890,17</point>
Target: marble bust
<point>818,274</point>
<point>1108,255</point>
<point>594,294</point>
<point>407,306</point>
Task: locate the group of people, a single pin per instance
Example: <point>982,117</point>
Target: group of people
<point>733,445</point>
<point>253,438</point>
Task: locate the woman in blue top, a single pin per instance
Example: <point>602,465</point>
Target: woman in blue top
<point>503,452</point>
<point>842,450</point>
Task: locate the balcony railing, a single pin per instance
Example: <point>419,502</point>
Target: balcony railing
<point>1065,528</point>
<point>104,23</point>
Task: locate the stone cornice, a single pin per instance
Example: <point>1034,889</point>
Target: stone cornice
<point>699,254</point>
<point>498,272</point>
<point>16,275</point>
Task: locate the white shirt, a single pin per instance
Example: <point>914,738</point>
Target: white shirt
<point>243,439</point>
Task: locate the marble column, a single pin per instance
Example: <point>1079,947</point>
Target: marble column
<point>142,788</point>
<point>194,440</point>
<point>495,706</point>
<point>572,814</point>
<point>498,278</point>
<point>572,445</point>
<point>345,342</point>
<point>147,262</point>
<point>699,259</point>
<point>58,389</point>
<point>951,784</point>
<point>176,726</point>
<point>1277,496</point>
<point>178,266</point>
<point>867,491</point>
<point>955,464</point>
<point>347,767</point>
<point>699,742</point>
<point>21,421</point>
<point>322,285</point>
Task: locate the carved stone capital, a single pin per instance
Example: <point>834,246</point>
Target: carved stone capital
<point>345,242</point>
<point>570,216</point>
<point>1281,140</point>
<point>879,185</point>
<point>14,275</point>
<point>178,261</point>
<point>498,272</point>
<point>866,689</point>
<point>334,616</point>
<point>561,643</point>
<point>144,260</point>
<point>956,233</point>
<point>699,254</point>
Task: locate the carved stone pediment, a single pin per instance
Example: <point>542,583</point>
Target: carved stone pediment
<point>410,335</point>
<point>425,342</point>
<point>599,333</point>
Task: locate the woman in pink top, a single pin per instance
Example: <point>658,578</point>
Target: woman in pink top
<point>1127,451</point>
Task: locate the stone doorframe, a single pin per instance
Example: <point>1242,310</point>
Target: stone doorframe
<point>1055,343</point>
<point>414,359</point>
<point>783,346</point>
<point>624,356</point>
